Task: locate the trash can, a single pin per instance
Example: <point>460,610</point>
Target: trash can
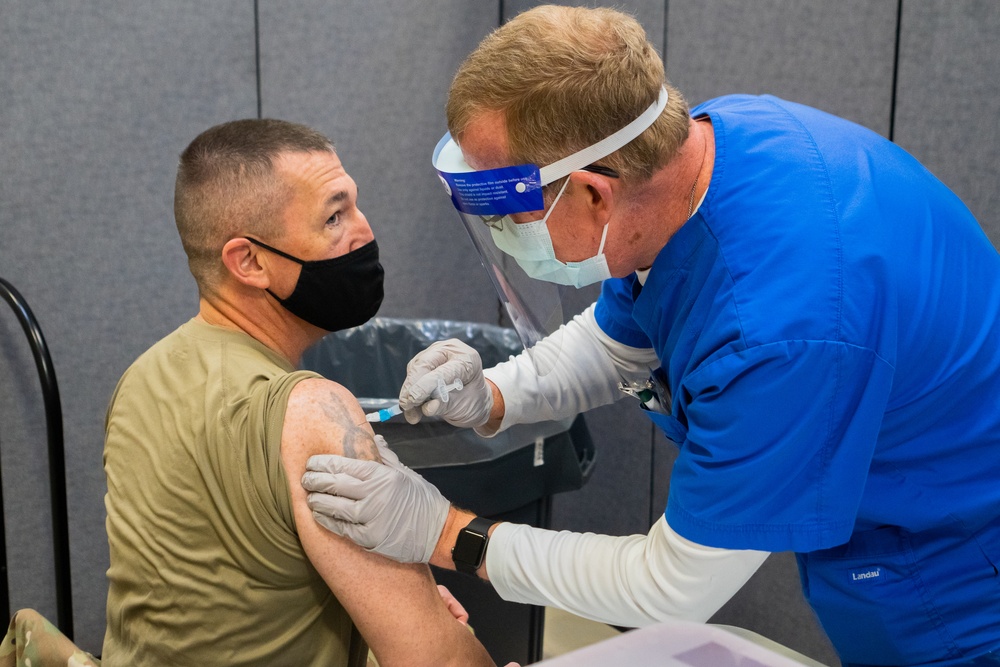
<point>511,477</point>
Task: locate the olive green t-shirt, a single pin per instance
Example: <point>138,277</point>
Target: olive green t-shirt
<point>206,565</point>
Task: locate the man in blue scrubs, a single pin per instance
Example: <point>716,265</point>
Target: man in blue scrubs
<point>808,313</point>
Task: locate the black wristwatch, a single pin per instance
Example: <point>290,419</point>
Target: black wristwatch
<point>470,546</point>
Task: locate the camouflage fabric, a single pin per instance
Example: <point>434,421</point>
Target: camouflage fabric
<point>32,641</point>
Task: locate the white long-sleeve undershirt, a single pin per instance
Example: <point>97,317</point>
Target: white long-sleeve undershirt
<point>630,581</point>
<point>584,367</point>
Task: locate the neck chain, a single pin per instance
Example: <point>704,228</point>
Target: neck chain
<point>694,186</point>
<point>691,198</point>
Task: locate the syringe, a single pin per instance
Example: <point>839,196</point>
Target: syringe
<point>440,393</point>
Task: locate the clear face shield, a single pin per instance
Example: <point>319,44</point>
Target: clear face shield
<point>534,287</point>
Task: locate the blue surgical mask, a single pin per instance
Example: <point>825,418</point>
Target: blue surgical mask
<point>530,245</point>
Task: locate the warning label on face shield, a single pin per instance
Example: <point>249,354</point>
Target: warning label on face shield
<point>501,191</point>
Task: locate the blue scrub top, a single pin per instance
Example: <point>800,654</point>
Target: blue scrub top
<point>828,327</point>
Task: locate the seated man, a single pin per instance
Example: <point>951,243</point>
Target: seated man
<point>215,556</point>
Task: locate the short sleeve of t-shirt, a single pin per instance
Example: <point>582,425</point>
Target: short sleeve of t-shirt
<point>266,418</point>
<point>779,441</point>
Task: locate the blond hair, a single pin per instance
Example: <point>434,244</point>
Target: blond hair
<point>565,78</point>
<point>227,187</point>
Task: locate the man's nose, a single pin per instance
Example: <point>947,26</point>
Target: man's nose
<point>364,234</point>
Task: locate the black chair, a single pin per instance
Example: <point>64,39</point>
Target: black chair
<point>57,467</point>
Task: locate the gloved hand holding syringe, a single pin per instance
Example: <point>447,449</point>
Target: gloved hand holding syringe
<point>467,400</point>
<point>440,393</point>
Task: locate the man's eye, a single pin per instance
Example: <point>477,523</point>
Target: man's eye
<point>334,219</point>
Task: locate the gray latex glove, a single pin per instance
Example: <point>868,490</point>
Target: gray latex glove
<point>384,507</point>
<point>441,364</point>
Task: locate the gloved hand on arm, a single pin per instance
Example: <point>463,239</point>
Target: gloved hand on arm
<point>384,507</point>
<point>441,364</point>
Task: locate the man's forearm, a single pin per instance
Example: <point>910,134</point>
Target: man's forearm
<point>629,580</point>
<point>634,580</point>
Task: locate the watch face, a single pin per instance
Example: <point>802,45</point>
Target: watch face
<point>469,547</point>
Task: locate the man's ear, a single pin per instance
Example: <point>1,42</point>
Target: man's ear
<point>243,260</point>
<point>598,194</point>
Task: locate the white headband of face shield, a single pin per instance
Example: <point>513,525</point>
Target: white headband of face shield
<point>606,146</point>
<point>465,185</point>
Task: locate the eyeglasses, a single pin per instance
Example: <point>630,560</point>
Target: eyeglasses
<point>494,221</point>
<point>603,171</point>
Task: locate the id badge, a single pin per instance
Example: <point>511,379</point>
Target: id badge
<point>653,393</point>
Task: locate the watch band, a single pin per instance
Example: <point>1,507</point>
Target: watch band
<point>470,545</point>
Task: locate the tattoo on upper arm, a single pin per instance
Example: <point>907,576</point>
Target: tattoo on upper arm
<point>358,443</point>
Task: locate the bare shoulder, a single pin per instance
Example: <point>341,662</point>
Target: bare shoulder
<point>323,417</point>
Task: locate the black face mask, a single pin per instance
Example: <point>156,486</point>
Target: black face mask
<point>337,293</point>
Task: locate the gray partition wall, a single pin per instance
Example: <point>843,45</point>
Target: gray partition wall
<point>947,110</point>
<point>96,102</point>
<point>98,99</point>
